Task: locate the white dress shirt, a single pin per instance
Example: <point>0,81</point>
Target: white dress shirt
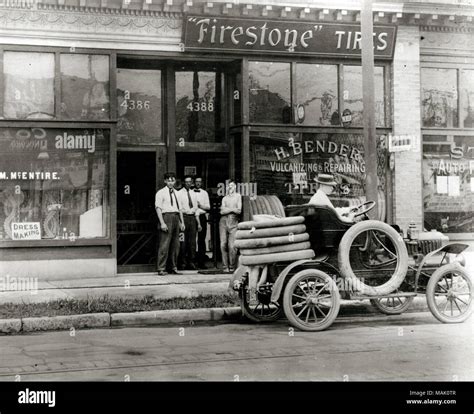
<point>203,197</point>
<point>163,200</point>
<point>184,201</point>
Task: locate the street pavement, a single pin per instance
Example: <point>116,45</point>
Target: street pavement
<point>409,347</point>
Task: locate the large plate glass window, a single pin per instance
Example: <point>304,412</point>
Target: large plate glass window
<point>139,107</point>
<point>270,92</point>
<point>439,97</point>
<point>196,112</point>
<point>467,98</point>
<point>54,183</point>
<point>316,88</point>
<point>353,99</point>
<point>448,183</point>
<point>85,86</point>
<point>28,85</point>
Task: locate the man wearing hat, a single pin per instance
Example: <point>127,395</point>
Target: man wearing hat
<point>327,184</point>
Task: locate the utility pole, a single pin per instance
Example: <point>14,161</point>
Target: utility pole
<point>368,100</point>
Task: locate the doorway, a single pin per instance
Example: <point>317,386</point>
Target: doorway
<point>136,216</point>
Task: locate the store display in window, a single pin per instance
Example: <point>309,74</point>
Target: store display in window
<point>58,178</point>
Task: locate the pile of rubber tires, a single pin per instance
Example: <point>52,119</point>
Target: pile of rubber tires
<point>271,241</point>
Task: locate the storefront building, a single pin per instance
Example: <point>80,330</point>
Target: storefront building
<point>98,98</point>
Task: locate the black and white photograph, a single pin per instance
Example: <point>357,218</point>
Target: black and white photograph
<point>232,196</point>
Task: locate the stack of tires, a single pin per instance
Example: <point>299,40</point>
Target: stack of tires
<point>271,241</point>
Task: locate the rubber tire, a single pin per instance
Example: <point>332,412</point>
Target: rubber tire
<point>272,241</point>
<point>294,321</point>
<point>392,311</point>
<point>430,290</point>
<point>277,257</point>
<point>286,221</point>
<point>279,208</point>
<point>276,249</point>
<point>250,315</point>
<point>268,207</point>
<point>401,251</point>
<point>271,232</point>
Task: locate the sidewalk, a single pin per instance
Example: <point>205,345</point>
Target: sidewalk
<point>189,284</point>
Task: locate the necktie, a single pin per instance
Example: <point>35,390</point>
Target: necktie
<point>197,191</point>
<point>171,198</point>
<point>189,200</point>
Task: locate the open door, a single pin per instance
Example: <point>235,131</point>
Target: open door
<point>136,216</point>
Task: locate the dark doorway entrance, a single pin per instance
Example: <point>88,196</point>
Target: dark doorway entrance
<point>136,216</point>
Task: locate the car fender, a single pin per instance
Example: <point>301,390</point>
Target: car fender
<point>278,285</point>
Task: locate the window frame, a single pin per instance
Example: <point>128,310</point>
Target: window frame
<point>109,241</point>
<point>386,65</point>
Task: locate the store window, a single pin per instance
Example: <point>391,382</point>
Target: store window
<point>448,183</point>
<point>353,96</point>
<point>28,85</point>
<point>439,97</point>
<point>196,112</point>
<point>316,89</point>
<point>270,92</point>
<point>467,98</point>
<point>139,106</point>
<point>54,183</point>
<point>84,86</point>
<point>286,165</point>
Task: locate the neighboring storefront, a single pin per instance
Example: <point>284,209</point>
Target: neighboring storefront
<point>104,98</point>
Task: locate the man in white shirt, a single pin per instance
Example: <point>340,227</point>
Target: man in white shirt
<point>189,208</point>
<point>327,184</point>
<point>204,206</point>
<point>231,208</point>
<point>171,222</point>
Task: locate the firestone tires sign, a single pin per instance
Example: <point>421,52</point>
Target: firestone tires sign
<point>222,34</point>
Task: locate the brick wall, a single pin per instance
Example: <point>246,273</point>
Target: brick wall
<point>407,184</point>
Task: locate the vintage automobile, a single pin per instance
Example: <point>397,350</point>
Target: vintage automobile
<point>364,260</point>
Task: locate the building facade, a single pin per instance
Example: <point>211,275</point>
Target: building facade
<point>98,98</point>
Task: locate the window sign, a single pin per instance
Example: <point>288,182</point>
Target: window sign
<point>195,107</point>
<point>448,171</point>
<point>57,178</point>
<point>139,106</point>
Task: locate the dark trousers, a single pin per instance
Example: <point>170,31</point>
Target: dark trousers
<point>188,246</point>
<point>169,242</point>
<point>201,254</point>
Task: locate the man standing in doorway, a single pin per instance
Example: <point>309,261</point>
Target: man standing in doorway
<point>189,207</point>
<point>171,222</point>
<point>231,208</point>
<point>204,206</point>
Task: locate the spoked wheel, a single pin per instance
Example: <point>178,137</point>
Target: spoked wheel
<point>311,300</point>
<point>449,294</point>
<point>373,258</point>
<point>263,309</point>
<point>392,305</point>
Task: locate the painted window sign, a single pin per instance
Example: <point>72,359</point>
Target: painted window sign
<point>448,191</point>
<point>222,34</point>
<point>139,107</point>
<point>56,178</point>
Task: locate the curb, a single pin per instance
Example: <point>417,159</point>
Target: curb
<point>108,320</point>
<point>150,318</point>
